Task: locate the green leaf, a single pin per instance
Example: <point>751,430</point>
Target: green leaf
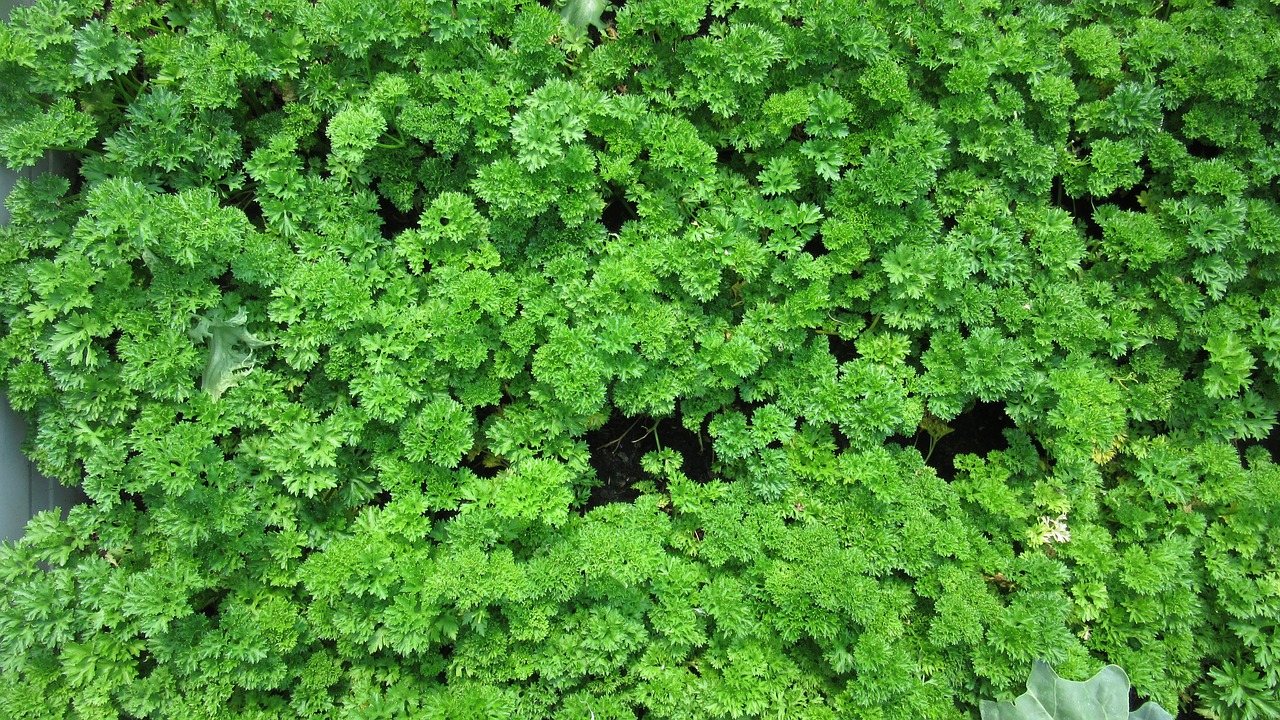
<point>1115,167</point>
<point>1105,696</point>
<point>441,432</point>
<point>778,177</point>
<point>554,117</point>
<point>61,126</point>
<point>101,53</point>
<point>1230,364</point>
<point>1097,49</point>
<point>230,351</point>
<point>581,13</point>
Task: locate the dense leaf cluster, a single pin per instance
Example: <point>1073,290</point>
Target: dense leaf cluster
<point>331,318</point>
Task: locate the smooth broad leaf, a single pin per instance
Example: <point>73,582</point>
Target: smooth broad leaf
<point>1150,711</point>
<point>581,13</point>
<point>1104,696</point>
<point>227,362</point>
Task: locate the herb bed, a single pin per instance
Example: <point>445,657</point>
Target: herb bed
<point>668,359</point>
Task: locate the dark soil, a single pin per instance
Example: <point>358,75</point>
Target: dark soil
<point>618,446</point>
<point>618,211</point>
<point>841,349</point>
<point>394,221</point>
<point>977,431</point>
<point>1270,443</point>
